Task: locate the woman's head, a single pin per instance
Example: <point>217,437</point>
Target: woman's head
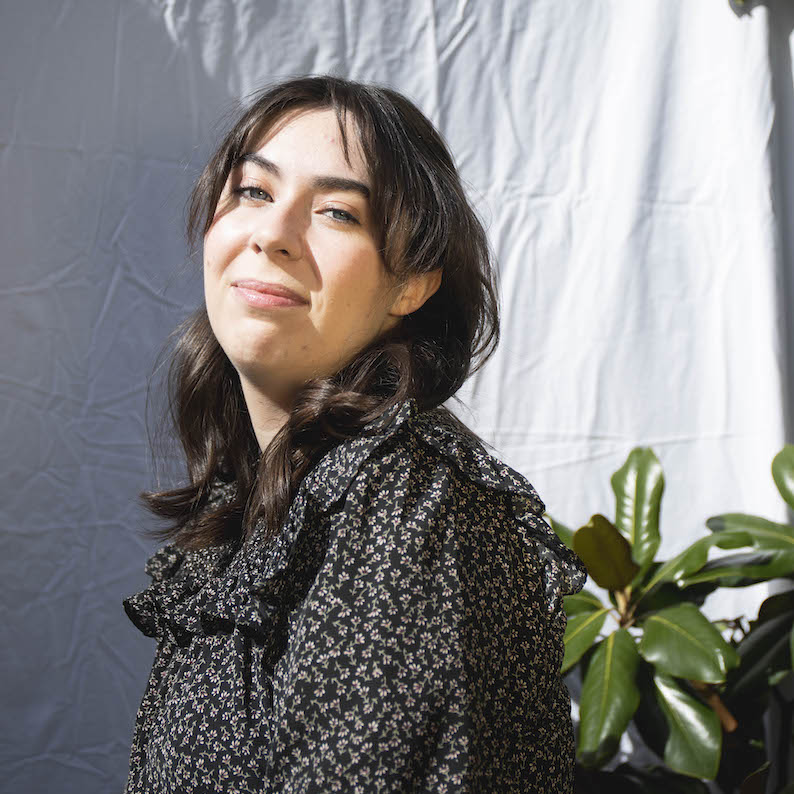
<point>419,228</point>
<point>345,194</point>
<point>295,213</point>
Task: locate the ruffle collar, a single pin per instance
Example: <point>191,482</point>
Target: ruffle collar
<point>249,585</point>
<point>564,572</point>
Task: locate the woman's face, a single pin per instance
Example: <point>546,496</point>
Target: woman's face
<point>295,214</point>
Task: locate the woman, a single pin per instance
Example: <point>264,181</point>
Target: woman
<point>355,595</point>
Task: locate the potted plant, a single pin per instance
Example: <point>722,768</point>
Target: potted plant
<point>696,691</point>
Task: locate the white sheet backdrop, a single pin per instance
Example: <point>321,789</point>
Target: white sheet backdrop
<point>628,158</point>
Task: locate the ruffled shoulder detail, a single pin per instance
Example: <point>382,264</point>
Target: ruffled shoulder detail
<point>565,573</point>
<point>329,481</point>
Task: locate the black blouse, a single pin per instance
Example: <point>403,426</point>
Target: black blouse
<point>402,633</point>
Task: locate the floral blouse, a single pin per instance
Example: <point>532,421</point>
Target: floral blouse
<point>402,633</point>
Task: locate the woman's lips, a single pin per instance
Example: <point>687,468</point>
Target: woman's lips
<point>264,294</point>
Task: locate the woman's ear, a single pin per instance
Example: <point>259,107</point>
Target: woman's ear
<point>415,292</point>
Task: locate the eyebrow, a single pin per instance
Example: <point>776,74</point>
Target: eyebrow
<point>318,182</point>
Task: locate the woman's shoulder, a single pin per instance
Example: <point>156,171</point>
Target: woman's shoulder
<point>406,439</point>
<point>428,460</point>
<point>408,435</point>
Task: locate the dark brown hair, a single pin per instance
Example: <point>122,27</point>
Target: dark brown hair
<point>426,222</point>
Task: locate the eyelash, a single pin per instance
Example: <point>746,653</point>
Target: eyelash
<point>246,190</point>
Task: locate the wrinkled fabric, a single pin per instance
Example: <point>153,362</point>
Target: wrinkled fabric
<point>631,162</point>
<point>403,632</point>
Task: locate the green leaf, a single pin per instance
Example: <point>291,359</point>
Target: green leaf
<point>731,531</point>
<point>734,569</point>
<point>680,641</point>
<point>763,534</point>
<point>695,556</point>
<point>562,532</point>
<point>580,634</point>
<point>638,487</point>
<point>583,601</point>
<point>763,652</point>
<point>783,473</point>
<point>668,594</point>
<point>609,698</point>
<point>649,719</point>
<point>695,741</point>
<point>605,553</point>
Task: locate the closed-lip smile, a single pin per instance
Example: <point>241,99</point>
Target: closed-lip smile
<point>252,287</point>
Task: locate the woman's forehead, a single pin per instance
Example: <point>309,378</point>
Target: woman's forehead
<point>318,122</point>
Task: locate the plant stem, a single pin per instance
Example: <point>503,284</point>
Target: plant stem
<point>713,700</point>
<point>625,608</point>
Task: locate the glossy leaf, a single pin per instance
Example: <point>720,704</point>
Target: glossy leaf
<point>668,594</point>
<point>680,641</point>
<point>763,534</point>
<point>695,556</point>
<point>731,531</point>
<point>605,553</point>
<point>609,698</point>
<point>638,487</point>
<point>695,740</point>
<point>734,569</point>
<point>783,473</point>
<point>583,601</point>
<point>580,634</point>
<point>562,532</point>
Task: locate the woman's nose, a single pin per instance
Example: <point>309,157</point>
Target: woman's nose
<point>278,231</point>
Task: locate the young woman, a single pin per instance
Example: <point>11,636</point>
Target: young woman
<point>355,595</point>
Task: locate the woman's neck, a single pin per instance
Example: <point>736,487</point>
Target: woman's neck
<point>269,412</point>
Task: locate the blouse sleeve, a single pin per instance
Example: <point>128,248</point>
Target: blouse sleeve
<point>426,655</point>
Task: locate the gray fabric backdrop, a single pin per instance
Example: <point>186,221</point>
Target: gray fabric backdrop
<point>630,160</point>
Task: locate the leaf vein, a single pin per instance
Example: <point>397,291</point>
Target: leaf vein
<point>585,623</point>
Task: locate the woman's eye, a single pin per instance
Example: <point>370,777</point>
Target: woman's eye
<point>252,192</point>
<point>341,215</point>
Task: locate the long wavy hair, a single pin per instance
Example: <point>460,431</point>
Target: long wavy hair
<point>425,223</point>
